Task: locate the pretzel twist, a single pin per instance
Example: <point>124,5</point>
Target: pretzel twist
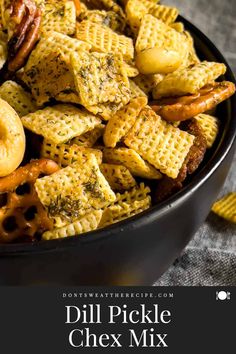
<point>186,107</point>
<point>21,212</point>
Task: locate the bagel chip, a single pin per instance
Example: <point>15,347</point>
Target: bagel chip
<point>60,123</point>
<point>160,143</point>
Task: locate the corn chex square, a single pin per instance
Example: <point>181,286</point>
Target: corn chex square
<point>147,82</point>
<point>107,110</point>
<point>86,223</point>
<point>226,207</point>
<point>100,78</point>
<point>59,16</point>
<point>118,177</point>
<point>159,143</point>
<point>65,155</point>
<point>132,160</point>
<point>209,126</point>
<point>60,123</point>
<point>107,18</point>
<point>52,42</point>
<point>90,138</point>
<point>107,5</point>
<point>74,191</point>
<point>121,122</point>
<point>136,91</point>
<point>68,96</point>
<point>126,205</point>
<point>104,40</point>
<point>155,33</point>
<point>51,76</point>
<point>20,100</point>
<point>189,80</point>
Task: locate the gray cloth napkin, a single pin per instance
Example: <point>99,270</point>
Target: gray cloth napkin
<point>210,259</point>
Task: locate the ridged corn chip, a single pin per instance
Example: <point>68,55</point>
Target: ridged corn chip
<point>226,207</point>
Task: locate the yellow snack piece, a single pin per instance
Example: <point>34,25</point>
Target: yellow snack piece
<point>90,138</point>
<point>5,5</point>
<point>74,191</point>
<point>59,16</point>
<point>209,126</point>
<point>126,205</point>
<point>189,80</point>
<point>20,100</point>
<point>226,207</point>
<point>159,143</point>
<point>86,223</point>
<point>51,76</point>
<point>104,40</point>
<point>3,48</point>
<point>106,110</point>
<point>166,14</point>
<point>100,78</point>
<point>147,82</point>
<point>118,177</point>
<point>53,42</point>
<point>132,160</point>
<point>178,26</point>
<point>131,70</point>
<point>136,90</point>
<point>107,5</point>
<point>60,123</point>
<point>68,96</point>
<point>107,18</point>
<point>65,155</point>
<point>155,33</point>
<point>121,122</point>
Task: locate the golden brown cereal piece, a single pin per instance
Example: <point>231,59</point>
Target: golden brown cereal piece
<point>109,5</point>
<point>86,223</point>
<point>52,42</point>
<point>106,18</point>
<point>65,155</point>
<point>68,96</point>
<point>90,138</point>
<point>21,213</point>
<point>189,80</point>
<point>59,16</point>
<point>131,70</point>
<point>20,100</point>
<point>178,26</point>
<point>104,40</point>
<point>183,108</point>
<point>100,78</point>
<point>121,122</point>
<point>136,91</point>
<point>226,207</point>
<point>159,143</point>
<point>3,49</point>
<point>126,205</point>
<point>60,123</point>
<point>132,160</point>
<point>209,126</point>
<point>118,177</point>
<point>155,33</point>
<point>147,82</point>
<point>107,110</point>
<point>49,77</point>
<point>74,191</point>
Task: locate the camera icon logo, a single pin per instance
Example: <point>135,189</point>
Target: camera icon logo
<point>222,295</point>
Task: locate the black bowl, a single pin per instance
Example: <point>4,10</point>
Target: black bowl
<point>136,251</point>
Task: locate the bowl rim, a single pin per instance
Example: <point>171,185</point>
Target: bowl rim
<point>226,143</point>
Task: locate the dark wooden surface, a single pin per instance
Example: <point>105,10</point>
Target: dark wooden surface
<point>217,19</point>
